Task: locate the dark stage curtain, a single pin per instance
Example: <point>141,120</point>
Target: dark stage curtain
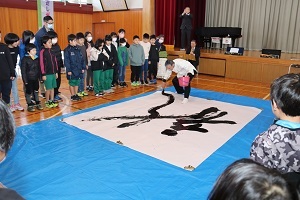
<point>165,14</point>
<point>198,12</point>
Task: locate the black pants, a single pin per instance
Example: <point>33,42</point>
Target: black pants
<point>135,73</point>
<point>152,70</point>
<point>32,90</point>
<point>182,90</point>
<point>89,76</point>
<point>58,81</point>
<point>116,74</point>
<point>185,33</point>
<point>5,89</point>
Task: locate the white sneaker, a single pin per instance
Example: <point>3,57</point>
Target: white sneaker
<point>18,107</point>
<point>12,108</point>
<point>185,100</point>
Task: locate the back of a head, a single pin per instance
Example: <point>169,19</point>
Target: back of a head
<point>26,36</point>
<point>248,180</point>
<point>7,127</point>
<point>285,92</point>
<point>98,43</point>
<point>52,34</point>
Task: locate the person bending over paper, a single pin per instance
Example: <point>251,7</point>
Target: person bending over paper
<point>182,81</point>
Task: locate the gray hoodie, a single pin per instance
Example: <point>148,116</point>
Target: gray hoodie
<point>136,55</point>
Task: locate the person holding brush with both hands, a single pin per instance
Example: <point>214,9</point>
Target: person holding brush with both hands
<point>182,81</point>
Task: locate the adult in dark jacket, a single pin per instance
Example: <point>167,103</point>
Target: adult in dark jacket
<point>31,74</point>
<point>186,27</point>
<point>48,25</point>
<point>195,51</point>
<point>7,69</point>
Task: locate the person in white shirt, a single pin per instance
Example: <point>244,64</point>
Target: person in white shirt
<point>182,68</point>
<point>146,46</point>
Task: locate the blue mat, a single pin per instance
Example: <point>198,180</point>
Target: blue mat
<point>53,160</point>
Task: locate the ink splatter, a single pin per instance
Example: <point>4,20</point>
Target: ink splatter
<point>192,122</point>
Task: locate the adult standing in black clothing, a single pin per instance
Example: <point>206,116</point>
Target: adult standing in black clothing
<point>195,51</point>
<point>186,27</point>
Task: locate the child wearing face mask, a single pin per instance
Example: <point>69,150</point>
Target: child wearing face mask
<point>123,62</point>
<point>88,42</point>
<point>56,50</point>
<point>116,67</point>
<point>27,37</point>
<point>121,34</point>
<point>31,73</point>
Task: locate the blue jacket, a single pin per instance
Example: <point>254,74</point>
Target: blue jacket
<point>74,62</point>
<point>38,38</point>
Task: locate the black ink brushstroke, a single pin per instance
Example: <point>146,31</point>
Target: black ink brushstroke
<point>192,122</point>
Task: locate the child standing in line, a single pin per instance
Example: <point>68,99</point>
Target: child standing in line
<point>49,70</point>
<point>7,72</point>
<point>123,61</point>
<point>81,46</point>
<point>12,41</point>
<point>75,66</point>
<point>153,60</point>
<point>98,56</point>
<point>144,70</point>
<point>56,50</point>
<point>110,49</point>
<point>31,73</point>
<point>137,59</point>
<point>115,81</point>
<point>89,74</point>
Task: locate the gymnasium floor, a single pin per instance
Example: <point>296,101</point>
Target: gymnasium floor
<point>55,160</point>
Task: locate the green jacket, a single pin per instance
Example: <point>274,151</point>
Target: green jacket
<point>123,56</point>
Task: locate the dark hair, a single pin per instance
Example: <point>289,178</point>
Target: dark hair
<point>98,43</point>
<point>11,38</point>
<point>285,92</point>
<point>146,36</point>
<point>86,42</point>
<point>248,180</point>
<point>152,37</point>
<point>108,38</point>
<point>7,127</point>
<point>136,36</point>
<point>45,39</point>
<point>169,62</point>
<point>26,36</point>
<point>29,47</point>
<point>71,37</point>
<point>79,35</point>
<point>161,35</point>
<point>113,34</point>
<point>47,18</point>
<point>121,30</point>
<point>122,40</point>
<point>52,34</point>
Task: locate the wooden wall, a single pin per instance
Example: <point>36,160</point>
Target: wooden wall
<point>130,20</point>
<point>17,20</point>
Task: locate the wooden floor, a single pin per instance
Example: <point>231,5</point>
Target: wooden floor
<point>206,82</point>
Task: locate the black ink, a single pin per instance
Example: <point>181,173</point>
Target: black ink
<point>192,122</point>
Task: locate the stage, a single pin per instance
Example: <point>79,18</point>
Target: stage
<point>249,67</point>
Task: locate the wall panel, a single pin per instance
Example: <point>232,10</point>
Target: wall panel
<point>17,20</point>
<point>130,20</point>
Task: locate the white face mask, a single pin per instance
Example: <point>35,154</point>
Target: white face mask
<point>121,35</point>
<point>89,39</point>
<point>50,26</point>
<point>123,44</point>
<point>160,40</point>
<point>114,39</point>
<point>54,40</point>
<point>32,40</point>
